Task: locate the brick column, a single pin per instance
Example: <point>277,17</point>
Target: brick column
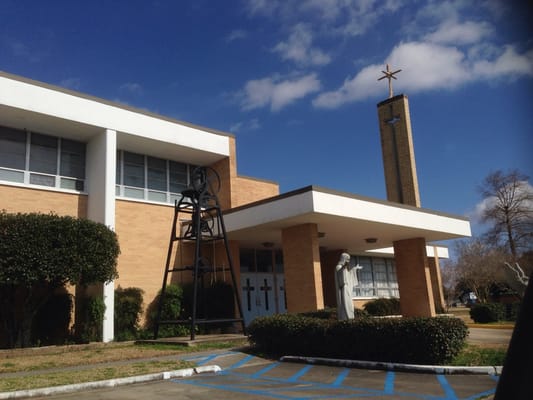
<point>436,282</point>
<point>301,259</point>
<point>412,270</point>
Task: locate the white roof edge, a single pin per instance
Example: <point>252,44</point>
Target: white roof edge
<point>441,251</point>
<point>390,213</point>
<point>38,97</point>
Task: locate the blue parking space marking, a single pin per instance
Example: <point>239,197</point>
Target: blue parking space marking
<point>204,359</point>
<point>241,362</point>
<point>296,387</point>
<point>340,377</point>
<point>296,377</point>
<point>448,390</point>
<point>389,383</point>
<point>264,370</point>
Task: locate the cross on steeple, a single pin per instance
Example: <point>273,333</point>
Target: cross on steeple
<point>389,75</point>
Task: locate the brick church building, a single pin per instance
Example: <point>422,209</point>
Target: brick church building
<point>73,154</point>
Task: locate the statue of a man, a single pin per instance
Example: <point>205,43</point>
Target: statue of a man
<point>345,280</point>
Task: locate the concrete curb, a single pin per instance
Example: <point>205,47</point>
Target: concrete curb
<point>181,373</point>
<point>428,369</point>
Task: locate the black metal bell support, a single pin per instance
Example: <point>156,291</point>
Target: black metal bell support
<point>204,225</point>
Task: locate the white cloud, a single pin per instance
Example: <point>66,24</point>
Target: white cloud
<point>424,66</point>
<point>277,93</point>
<point>455,33</point>
<point>249,125</point>
<point>236,34</point>
<point>342,17</point>
<point>430,66</point>
<point>298,48</point>
<point>509,63</point>
<point>477,213</point>
<point>131,88</point>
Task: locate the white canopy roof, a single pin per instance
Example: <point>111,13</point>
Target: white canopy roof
<point>344,221</point>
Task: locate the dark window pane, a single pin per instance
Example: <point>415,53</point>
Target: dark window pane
<point>177,177</point>
<point>43,154</point>
<point>12,148</point>
<point>133,169</point>
<point>119,167</point>
<point>72,159</point>
<point>157,174</point>
<point>264,260</point>
<point>246,257</point>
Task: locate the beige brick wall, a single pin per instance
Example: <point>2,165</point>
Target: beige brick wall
<point>249,190</point>
<point>143,231</point>
<point>303,275</point>
<point>238,190</point>
<point>15,199</point>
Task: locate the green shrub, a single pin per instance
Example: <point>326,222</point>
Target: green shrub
<point>215,301</point>
<point>326,313</point>
<point>47,252</point>
<point>288,334</point>
<point>91,318</point>
<point>487,312</point>
<point>383,306</point>
<point>511,311</point>
<point>405,340</point>
<point>330,313</point>
<point>51,323</point>
<point>171,310</point>
<point>128,308</point>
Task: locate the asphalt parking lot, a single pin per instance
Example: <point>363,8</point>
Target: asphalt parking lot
<point>246,376</point>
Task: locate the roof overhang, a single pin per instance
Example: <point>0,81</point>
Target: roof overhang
<point>39,107</point>
<point>344,221</point>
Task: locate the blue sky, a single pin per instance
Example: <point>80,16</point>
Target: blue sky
<point>296,81</point>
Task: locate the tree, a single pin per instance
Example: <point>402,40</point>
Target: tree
<point>478,268</point>
<point>508,207</point>
<point>40,253</point>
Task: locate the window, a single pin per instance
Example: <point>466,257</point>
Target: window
<point>252,260</point>
<point>133,170</point>
<point>247,260</point>
<point>12,148</point>
<point>264,260</point>
<point>178,177</point>
<point>377,278</point>
<point>150,178</point>
<point>38,159</point>
<point>43,154</point>
<point>157,174</point>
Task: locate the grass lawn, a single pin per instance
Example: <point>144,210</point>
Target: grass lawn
<point>45,367</point>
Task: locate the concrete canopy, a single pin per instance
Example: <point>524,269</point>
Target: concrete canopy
<point>344,221</point>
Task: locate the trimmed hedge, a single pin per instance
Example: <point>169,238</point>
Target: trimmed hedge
<point>404,340</point>
<point>331,313</point>
<point>487,312</point>
<point>128,308</point>
<point>383,306</point>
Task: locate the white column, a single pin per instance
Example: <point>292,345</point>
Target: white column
<point>101,170</point>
